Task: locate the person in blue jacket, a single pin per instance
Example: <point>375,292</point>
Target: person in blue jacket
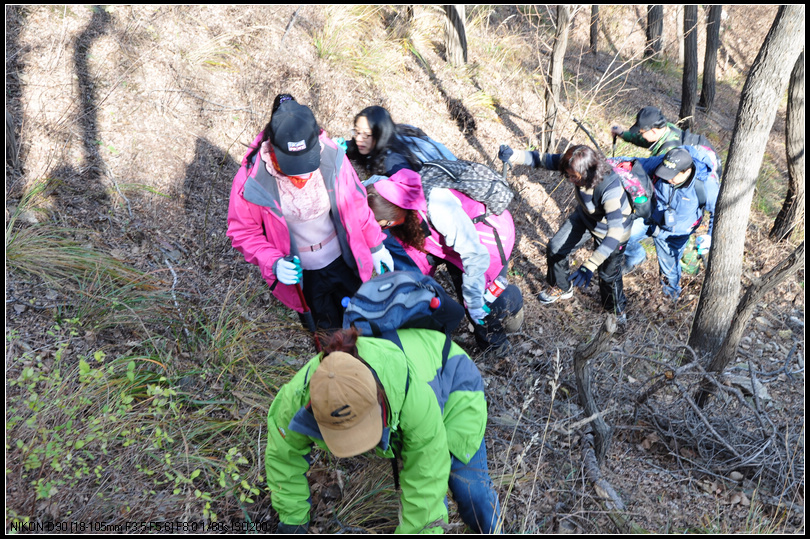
<point>686,183</point>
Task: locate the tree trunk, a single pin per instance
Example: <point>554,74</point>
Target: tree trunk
<point>792,211</point>
<point>455,34</point>
<point>594,28</point>
<point>690,68</point>
<point>12,150</point>
<point>679,26</point>
<point>744,311</point>
<point>655,29</point>
<point>763,90</point>
<point>710,58</point>
<point>555,76</point>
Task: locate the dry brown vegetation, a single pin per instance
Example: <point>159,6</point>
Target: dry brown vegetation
<point>142,351</point>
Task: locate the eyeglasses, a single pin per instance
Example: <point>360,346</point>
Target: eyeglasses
<point>361,134</point>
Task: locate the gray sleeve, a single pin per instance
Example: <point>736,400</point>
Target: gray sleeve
<point>449,219</point>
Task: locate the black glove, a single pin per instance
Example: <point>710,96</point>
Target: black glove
<point>505,152</point>
<point>581,277</point>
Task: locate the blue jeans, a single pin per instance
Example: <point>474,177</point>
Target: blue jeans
<point>474,493</point>
<point>669,250</point>
<point>634,253</point>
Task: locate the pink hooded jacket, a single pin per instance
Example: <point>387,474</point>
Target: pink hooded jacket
<point>404,189</point>
<point>258,230</point>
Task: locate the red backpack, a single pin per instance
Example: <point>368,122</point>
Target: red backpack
<point>636,184</point>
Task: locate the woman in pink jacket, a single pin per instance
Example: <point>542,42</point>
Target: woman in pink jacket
<point>443,225</point>
<point>298,211</point>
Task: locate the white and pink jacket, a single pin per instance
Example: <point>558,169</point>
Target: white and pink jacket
<point>455,236</point>
<point>258,229</point>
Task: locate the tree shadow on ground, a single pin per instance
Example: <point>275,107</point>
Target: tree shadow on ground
<point>206,190</point>
<point>85,182</point>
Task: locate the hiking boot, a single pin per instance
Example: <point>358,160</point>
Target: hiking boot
<point>513,322</point>
<point>552,295</point>
<point>497,351</point>
<point>627,270</point>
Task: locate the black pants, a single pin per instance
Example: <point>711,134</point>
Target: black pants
<point>492,333</point>
<point>325,288</point>
<point>572,235</point>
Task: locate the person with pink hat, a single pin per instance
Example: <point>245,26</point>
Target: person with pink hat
<point>444,225</point>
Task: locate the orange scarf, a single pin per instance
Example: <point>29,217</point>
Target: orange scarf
<point>297,181</point>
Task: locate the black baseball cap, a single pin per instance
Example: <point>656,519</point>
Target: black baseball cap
<point>675,161</point>
<point>295,139</point>
<point>647,118</point>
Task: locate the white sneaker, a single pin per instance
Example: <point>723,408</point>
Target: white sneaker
<point>552,295</point>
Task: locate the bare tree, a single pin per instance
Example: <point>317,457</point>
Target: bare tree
<point>655,29</point>
<point>594,28</point>
<point>710,58</point>
<point>764,87</point>
<point>792,211</point>
<point>455,34</point>
<point>679,26</point>
<point>12,150</point>
<point>745,309</point>
<point>690,67</point>
<point>555,75</point>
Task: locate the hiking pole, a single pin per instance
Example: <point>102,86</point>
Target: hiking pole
<point>307,318</point>
<point>505,164</point>
<point>614,145</point>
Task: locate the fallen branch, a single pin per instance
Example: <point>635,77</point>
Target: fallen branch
<point>582,422</point>
<point>736,434</point>
<point>595,447</point>
<point>289,27</point>
<point>582,355</point>
<point>608,497</point>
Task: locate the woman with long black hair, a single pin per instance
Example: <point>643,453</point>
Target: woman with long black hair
<point>382,147</point>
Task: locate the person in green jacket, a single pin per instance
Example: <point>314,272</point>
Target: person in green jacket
<point>364,393</point>
<point>654,132</point>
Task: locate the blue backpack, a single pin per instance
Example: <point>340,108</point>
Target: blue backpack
<point>426,149</point>
<point>400,300</point>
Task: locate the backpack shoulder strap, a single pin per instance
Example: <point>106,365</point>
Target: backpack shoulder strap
<point>668,145</point>
<point>700,190</point>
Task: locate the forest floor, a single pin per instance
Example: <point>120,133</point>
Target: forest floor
<point>131,122</point>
